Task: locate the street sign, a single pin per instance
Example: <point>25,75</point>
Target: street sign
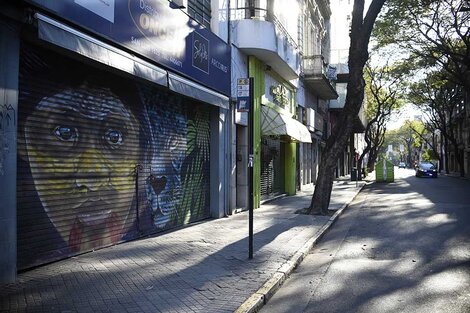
<point>243,94</point>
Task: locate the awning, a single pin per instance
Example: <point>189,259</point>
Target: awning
<point>73,40</point>
<point>196,91</point>
<point>275,123</point>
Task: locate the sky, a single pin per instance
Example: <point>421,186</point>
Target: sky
<point>408,112</point>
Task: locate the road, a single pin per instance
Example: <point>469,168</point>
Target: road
<point>399,247</point>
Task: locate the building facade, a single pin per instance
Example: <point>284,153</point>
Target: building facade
<point>121,121</point>
<point>264,37</point>
<point>316,84</point>
<point>115,123</point>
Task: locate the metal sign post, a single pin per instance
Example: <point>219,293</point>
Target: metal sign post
<point>250,170</point>
<point>245,104</point>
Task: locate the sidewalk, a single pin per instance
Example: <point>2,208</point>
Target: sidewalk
<point>454,175</point>
<point>201,268</point>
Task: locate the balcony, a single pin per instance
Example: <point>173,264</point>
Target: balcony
<point>257,32</point>
<point>360,122</point>
<point>316,77</point>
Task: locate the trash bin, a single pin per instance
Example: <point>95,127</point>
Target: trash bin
<point>355,175</point>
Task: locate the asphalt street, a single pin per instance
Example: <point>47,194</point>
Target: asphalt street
<point>399,247</point>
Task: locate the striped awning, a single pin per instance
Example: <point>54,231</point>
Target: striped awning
<point>276,123</point>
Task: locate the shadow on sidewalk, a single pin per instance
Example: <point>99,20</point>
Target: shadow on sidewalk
<point>203,268</point>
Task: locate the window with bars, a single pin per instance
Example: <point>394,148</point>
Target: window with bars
<point>200,10</point>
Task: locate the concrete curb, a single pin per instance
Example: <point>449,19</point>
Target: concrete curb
<point>257,300</point>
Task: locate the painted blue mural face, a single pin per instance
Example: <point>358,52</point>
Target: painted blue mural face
<point>80,140</point>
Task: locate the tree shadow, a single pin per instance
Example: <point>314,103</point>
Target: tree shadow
<point>189,270</point>
<point>409,255</point>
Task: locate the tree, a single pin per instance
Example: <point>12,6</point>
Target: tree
<point>361,28</point>
<point>383,89</point>
<point>435,33</point>
<point>435,38</point>
<point>426,134</point>
<point>405,135</point>
<point>441,100</point>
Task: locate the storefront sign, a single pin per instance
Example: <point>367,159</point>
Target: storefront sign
<point>243,95</point>
<point>156,30</point>
<point>280,95</point>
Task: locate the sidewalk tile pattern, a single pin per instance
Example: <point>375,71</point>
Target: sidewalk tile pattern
<point>201,268</point>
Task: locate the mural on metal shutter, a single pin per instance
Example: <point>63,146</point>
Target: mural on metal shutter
<point>82,135</point>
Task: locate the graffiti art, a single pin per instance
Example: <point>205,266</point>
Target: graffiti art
<point>82,135</point>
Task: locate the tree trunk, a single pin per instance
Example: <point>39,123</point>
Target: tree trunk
<point>361,159</point>
<point>460,158</point>
<point>335,145</point>
<point>372,159</point>
<point>361,28</point>
<point>446,148</point>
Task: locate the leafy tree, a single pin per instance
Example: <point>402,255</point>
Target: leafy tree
<point>434,33</point>
<point>407,136</point>
<point>434,37</point>
<point>384,86</point>
<point>425,133</point>
<point>441,100</point>
<point>361,28</point>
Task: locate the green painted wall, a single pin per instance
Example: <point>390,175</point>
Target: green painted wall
<point>256,70</point>
<point>290,168</point>
<point>290,160</point>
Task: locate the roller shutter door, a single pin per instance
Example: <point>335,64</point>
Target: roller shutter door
<point>272,171</point>
<point>82,133</point>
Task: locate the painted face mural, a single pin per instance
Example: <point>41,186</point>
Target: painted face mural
<point>82,156</point>
<point>81,134</point>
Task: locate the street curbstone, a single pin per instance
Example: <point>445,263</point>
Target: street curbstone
<point>252,304</point>
<point>271,286</point>
<point>288,267</point>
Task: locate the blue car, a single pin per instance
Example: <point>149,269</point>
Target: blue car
<point>426,169</point>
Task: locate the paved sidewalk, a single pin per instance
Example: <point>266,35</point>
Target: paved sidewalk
<point>201,268</point>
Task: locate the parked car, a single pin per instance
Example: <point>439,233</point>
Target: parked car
<point>401,165</point>
<point>426,169</point>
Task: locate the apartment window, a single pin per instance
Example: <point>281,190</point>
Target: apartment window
<point>200,10</point>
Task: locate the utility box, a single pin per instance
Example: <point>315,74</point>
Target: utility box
<point>384,171</point>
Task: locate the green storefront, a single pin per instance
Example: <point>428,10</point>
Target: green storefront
<point>276,133</point>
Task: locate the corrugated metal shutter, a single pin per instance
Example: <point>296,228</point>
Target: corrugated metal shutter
<point>272,173</point>
<point>82,133</point>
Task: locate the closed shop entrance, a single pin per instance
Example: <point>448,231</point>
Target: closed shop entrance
<point>103,158</point>
<point>272,168</point>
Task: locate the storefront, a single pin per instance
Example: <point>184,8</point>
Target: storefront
<point>277,133</point>
<point>111,145</point>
